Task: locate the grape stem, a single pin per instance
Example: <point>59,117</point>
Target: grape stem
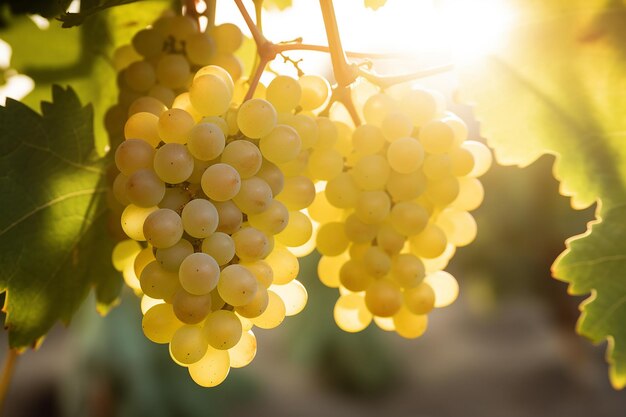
<point>7,374</point>
<point>387,81</point>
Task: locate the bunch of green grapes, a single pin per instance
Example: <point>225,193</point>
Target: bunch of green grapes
<point>206,192</point>
<point>392,216</point>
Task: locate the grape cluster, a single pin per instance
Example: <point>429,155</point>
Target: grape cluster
<point>392,216</point>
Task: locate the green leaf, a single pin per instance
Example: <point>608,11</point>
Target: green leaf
<point>557,85</point>
<point>74,19</point>
<point>53,241</point>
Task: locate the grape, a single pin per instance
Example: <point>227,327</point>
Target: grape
<point>221,182</point>
<point>159,323</point>
<point>244,156</point>
<point>419,299</point>
<point>372,206</point>
<point>220,246</point>
<point>142,259</point>
<point>272,220</point>
<point>405,155</point>
<point>220,73</point>
<point>206,141</point>
<point>140,76</point>
<point>328,269</point>
<point>173,163</point>
<point>175,198</point>
<point>437,167</point>
<point>157,282</point>
<point>482,157</point>
<point>462,161</point>
<point>383,298</point>
<point>251,244</point>
<point>272,175</point>
<point>273,315</point>
<point>407,270</point>
<point>133,218</point>
<point>342,191</point>
<point>332,239</point>
<point>175,125</point>
<point>325,164</point>
<point>188,345</point>
<point>254,196</point>
<point>408,325</point>
<point>322,211</point>
<point>132,155</point>
<point>376,262</point>
<point>284,264</point>
<point>315,91</point>
<point>430,243</point>
<point>200,218</point>
<point>210,95</point>
<point>281,145</point>
<point>163,94</point>
<point>230,217</point>
<point>124,253</point>
<point>408,218</point>
<point>327,133</point>
<point>437,137</point>
<point>200,48</point>
<point>471,194</point>
<point>199,273</point>
<point>212,369</point>
<point>358,231</point>
<point>181,27</point>
<point>261,270</point>
<point>231,63</point>
<point>163,228</point>
<point>148,42</point>
<point>148,105</point>
<point>228,37</point>
<point>298,231</point>
<point>351,313</point>
<point>222,329</point>
<point>405,187</point>
<point>183,102</point>
<point>298,193</point>
<point>371,172</point>
<point>244,351</point>
<point>443,192</point>
<point>256,118</point>
<point>377,107</point>
<point>306,127</point>
<point>257,306</point>
<point>388,239</point>
<point>367,140</point>
<point>124,56</point>
<point>354,276</point>
<point>396,125</point>
<point>294,296</point>
<point>284,93</point>
<point>237,286</point>
<point>171,258</point>
<point>172,71</point>
<point>190,308</point>
<point>144,188</point>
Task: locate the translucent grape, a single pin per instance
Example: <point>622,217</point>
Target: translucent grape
<point>221,182</point>
<point>430,243</point>
<point>407,270</point>
<point>159,323</point>
<point>273,315</point>
<point>325,164</point>
<point>256,118</point>
<point>124,253</point>
<point>220,246</point>
<point>419,299</point>
<point>371,172</point>
<point>244,351</point>
<point>332,239</point>
<point>132,155</point>
<point>284,93</point>
<point>222,329</point>
<point>298,193</point>
<point>281,145</point>
<point>200,218</point>
<point>298,231</point>
<point>212,369</point>
<point>367,140</point>
<point>261,270</point>
<point>372,206</point>
<point>244,156</point>
<point>133,218</point>
<point>157,282</point>
<point>328,269</point>
<point>237,286</point>
<point>171,258</point>
<point>408,218</point>
<point>139,76</point>
<point>294,295</point>
<point>405,155</point>
<point>163,228</point>
<point>210,95</point>
<point>173,163</point>
<point>408,325</point>
<point>383,298</point>
<point>188,345</point>
<point>315,91</point>
<point>272,175</point>
<point>199,273</point>
<point>437,137</point>
<point>351,313</point>
<point>251,244</point>
<point>422,105</point>
<point>230,216</point>
<point>257,306</point>
<point>284,264</point>
<point>144,188</point>
<point>342,191</point>
<point>190,308</point>
<point>228,37</point>
<point>148,105</point>
<point>175,125</point>
<point>272,220</point>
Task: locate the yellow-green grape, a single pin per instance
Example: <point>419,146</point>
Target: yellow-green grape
<point>377,107</point>
<point>357,250</point>
<point>220,246</point>
<point>124,254</point>
<point>322,211</point>
<point>405,155</point>
<point>256,118</point>
<point>408,325</point>
<point>298,231</point>
<point>119,189</point>
<point>437,167</point>
<point>459,226</point>
<point>325,164</point>
<point>272,220</point>
<point>376,261</point>
<point>371,172</point>
<point>430,243</point>
<point>327,133</point>
<point>462,162</point>
<point>190,308</point>
<point>396,125</point>
<point>354,276</point>
<point>199,218</point>
<point>133,218</point>
<point>272,175</point>
<point>244,351</point>
<point>231,63</point>
<point>148,105</point>
<point>344,139</point>
<point>422,105</point>
<point>329,267</point>
<point>219,72</point>
<point>408,218</point>
<point>140,76</point>
<point>163,228</point>
<point>196,175</point>
<point>221,182</point>
<point>254,196</point>
<point>367,140</point>
<point>212,369</point>
<point>405,187</point>
<point>351,314</point>
<point>284,264</point>
<point>251,244</point>
<point>342,191</point>
<point>173,163</point>
<point>142,259</point>
<point>217,120</point>
<point>306,127</point>
<point>407,270</point>
<point>200,48</point>
<point>261,270</point>
<point>389,240</point>
<point>222,329</point>
<point>332,239</point>
<point>273,315</point>
<point>437,137</point>
<point>294,295</point>
<point>180,27</point>
<point>419,299</point>
<point>315,91</point>
<point>257,306</point>
<point>458,127</point>
<point>175,198</point>
<point>199,273</point>
<point>385,323</point>
<point>244,156</point>
<point>144,188</point>
<point>445,286</point>
<point>471,194</point>
<point>128,273</point>
<point>210,95</point>
<point>163,94</point>
<point>183,102</point>
<point>383,298</point>
<point>443,192</point>
<point>143,126</point>
<point>280,145</point>
<point>298,193</point>
<point>237,286</point>
<point>372,207</point>
<point>157,282</point>
<point>482,157</point>
<point>358,231</point>
<point>124,56</point>
<point>173,71</point>
<point>132,155</point>
<point>188,345</point>
<point>230,217</point>
<point>284,93</point>
<point>159,323</point>
<point>174,126</point>
<point>171,258</point>
<point>228,37</point>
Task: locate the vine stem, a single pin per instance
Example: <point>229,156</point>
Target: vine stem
<point>7,374</point>
<point>387,81</point>
<point>345,74</point>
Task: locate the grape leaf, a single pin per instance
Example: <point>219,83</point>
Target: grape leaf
<point>557,85</point>
<point>75,19</point>
<point>53,241</point>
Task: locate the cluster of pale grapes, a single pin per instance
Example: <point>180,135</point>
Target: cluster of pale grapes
<point>392,215</point>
